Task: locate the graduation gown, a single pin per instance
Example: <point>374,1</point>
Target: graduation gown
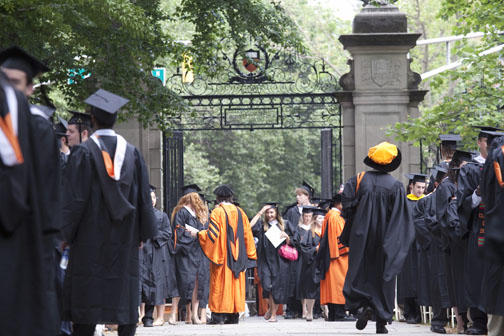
<point>492,190</point>
<point>470,221</point>
<point>292,216</point>
<point>27,301</point>
<point>380,233</point>
<point>157,264</point>
<point>453,244</point>
<point>306,243</point>
<point>332,259</point>
<point>189,258</point>
<point>105,221</point>
<point>228,244</point>
<point>272,269</point>
<point>407,280</point>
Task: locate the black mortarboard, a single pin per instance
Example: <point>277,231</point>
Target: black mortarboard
<point>16,58</point>
<point>308,188</point>
<point>419,178</point>
<point>223,191</point>
<point>309,208</point>
<point>439,172</point>
<point>106,101</point>
<point>319,211</point>
<point>61,127</point>
<point>315,200</point>
<point>79,118</point>
<point>485,129</point>
<point>272,204</point>
<point>409,177</point>
<point>461,155</point>
<point>337,198</point>
<point>190,188</point>
<point>450,140</point>
<point>152,188</point>
<point>325,203</point>
<point>47,110</point>
<point>490,135</point>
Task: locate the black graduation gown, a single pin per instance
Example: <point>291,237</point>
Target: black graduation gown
<point>157,264</point>
<point>455,247</point>
<point>292,216</point>
<point>306,244</point>
<point>379,232</point>
<point>470,223</point>
<point>492,296</point>
<point>407,279</point>
<point>104,222</point>
<point>273,270</point>
<point>423,241</point>
<point>27,302</point>
<point>190,261</point>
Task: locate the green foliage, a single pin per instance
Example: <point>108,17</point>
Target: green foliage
<point>120,41</point>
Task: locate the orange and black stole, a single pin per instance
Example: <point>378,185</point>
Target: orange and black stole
<point>236,252</point>
<point>8,128</point>
<point>107,159</point>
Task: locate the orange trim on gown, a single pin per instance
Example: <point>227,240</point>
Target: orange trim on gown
<point>331,288</point>
<point>227,293</point>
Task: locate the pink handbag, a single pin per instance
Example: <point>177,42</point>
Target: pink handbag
<point>288,252</point>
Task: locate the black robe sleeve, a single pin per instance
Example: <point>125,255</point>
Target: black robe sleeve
<point>165,234</point>
<point>77,176</point>
<point>349,201</point>
<point>183,243</point>
<point>422,234</point>
<point>145,211</point>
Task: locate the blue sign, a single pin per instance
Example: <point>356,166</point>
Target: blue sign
<point>72,73</point>
<point>160,73</point>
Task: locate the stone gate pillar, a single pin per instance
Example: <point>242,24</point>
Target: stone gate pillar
<point>380,88</point>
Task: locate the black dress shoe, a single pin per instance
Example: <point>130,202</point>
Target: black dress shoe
<point>438,329</point>
<point>217,318</point>
<point>232,318</point>
<point>475,331</point>
<point>413,321</point>
<point>316,316</point>
<point>363,316</point>
<point>290,316</point>
<point>381,329</point>
<point>147,323</point>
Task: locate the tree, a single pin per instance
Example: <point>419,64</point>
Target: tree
<point>119,41</point>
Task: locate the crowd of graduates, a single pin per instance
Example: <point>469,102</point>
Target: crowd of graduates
<point>83,244</point>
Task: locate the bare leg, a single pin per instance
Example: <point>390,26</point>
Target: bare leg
<point>273,307</point>
<point>159,321</point>
<point>203,315</point>
<point>188,314</point>
<point>303,305</point>
<point>309,309</point>
<point>141,312</point>
<point>195,304</point>
<point>174,309</point>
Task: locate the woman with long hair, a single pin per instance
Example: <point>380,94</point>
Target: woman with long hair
<point>273,270</point>
<point>306,240</point>
<point>189,259</point>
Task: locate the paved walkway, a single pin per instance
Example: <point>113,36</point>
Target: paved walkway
<point>256,326</point>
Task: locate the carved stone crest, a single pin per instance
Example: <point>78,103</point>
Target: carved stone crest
<point>384,71</point>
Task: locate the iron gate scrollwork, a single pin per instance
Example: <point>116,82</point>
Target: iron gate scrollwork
<point>173,169</point>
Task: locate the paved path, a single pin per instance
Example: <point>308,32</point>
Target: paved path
<point>256,326</point>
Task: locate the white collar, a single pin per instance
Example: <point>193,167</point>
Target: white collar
<point>336,209</point>
<point>7,153</point>
<point>273,222</point>
<point>190,211</point>
<point>479,159</point>
<point>304,226</point>
<point>226,203</point>
<point>35,110</point>
<point>105,132</point>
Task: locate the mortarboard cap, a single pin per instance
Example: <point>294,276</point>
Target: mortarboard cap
<point>490,135</point>
<point>325,203</point>
<point>450,140</point>
<point>461,156</point>
<point>337,198</point>
<point>79,118</point>
<point>319,211</point>
<point>16,58</point>
<point>485,129</point>
<point>190,188</point>
<point>61,127</point>
<point>419,178</point>
<point>272,204</point>
<point>106,101</point>
<point>316,200</point>
<point>309,208</point>
<point>306,186</point>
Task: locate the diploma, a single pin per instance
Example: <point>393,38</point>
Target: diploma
<point>273,235</point>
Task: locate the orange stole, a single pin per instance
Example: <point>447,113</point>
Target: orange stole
<point>227,294</point>
<point>263,303</point>
<point>331,288</point>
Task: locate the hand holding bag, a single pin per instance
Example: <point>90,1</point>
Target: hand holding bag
<point>288,252</point>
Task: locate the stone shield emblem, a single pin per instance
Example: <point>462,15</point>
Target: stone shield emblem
<point>381,71</point>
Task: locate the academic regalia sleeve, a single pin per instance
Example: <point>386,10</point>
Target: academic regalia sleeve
<point>77,177</point>
<point>145,211</point>
<point>257,228</point>
<point>211,240</point>
<point>164,233</point>
<point>399,234</point>
<point>249,238</point>
<point>349,201</point>
<point>183,238</point>
<point>422,234</point>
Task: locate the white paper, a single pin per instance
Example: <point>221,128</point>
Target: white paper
<point>191,228</point>
<point>273,234</point>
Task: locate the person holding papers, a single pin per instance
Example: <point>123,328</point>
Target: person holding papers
<point>269,227</point>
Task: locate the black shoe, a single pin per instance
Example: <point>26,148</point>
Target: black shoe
<point>438,329</point>
<point>381,329</point>
<point>217,318</point>
<point>232,318</point>
<point>290,316</point>
<point>363,316</point>
<point>316,316</point>
<point>475,331</point>
<point>147,323</point>
<point>413,321</point>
